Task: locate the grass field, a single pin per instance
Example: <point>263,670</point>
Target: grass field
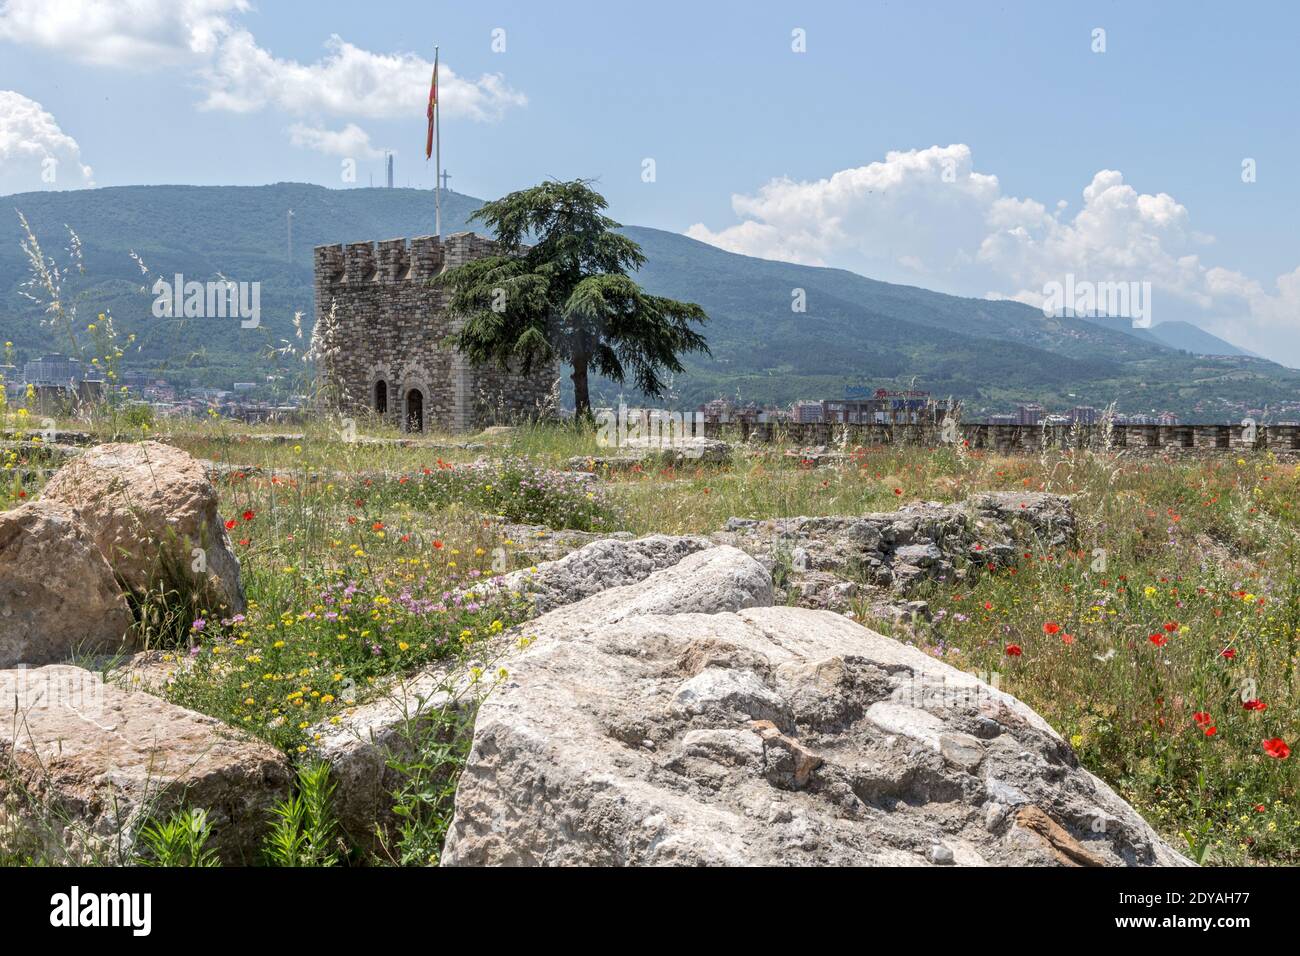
<point>1165,649</point>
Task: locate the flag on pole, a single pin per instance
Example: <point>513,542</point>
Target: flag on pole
<point>433,105</point>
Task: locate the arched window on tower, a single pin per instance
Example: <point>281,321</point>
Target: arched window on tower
<point>381,397</point>
<point>415,410</point>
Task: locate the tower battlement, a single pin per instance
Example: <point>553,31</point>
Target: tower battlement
<point>397,260</point>
<point>392,329</point>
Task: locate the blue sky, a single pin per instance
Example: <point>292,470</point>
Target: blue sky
<point>1023,111</point>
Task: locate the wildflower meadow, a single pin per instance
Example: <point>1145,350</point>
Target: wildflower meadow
<point>1164,649</point>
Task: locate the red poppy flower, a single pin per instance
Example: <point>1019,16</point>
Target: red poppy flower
<point>1067,638</point>
<point>377,526</point>
<point>1013,650</point>
<point>1211,730</point>
<point>1254,705</point>
<point>1260,808</point>
<point>230,524</point>
<point>1201,717</point>
<point>1158,639</point>
<point>248,516</point>
<point>898,491</point>
<point>988,605</point>
<point>1171,626</point>
<point>1051,627</point>
<point>243,542</point>
<point>1229,653</point>
<point>1276,747</point>
<point>437,545</point>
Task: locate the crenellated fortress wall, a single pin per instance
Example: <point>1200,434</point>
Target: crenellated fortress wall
<point>395,356</point>
<point>1161,439</point>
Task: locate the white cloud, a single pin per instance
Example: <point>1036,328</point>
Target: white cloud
<point>920,205</point>
<point>1262,321</point>
<point>350,141</point>
<point>348,81</point>
<point>926,216</point>
<point>238,75</point>
<point>140,34</point>
<point>1118,234</point>
<point>35,153</point>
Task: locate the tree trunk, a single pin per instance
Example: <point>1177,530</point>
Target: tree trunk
<point>581,399</point>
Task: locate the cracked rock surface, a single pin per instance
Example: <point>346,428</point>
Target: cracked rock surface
<point>57,593</point>
<point>154,516</point>
<point>884,558</point>
<point>602,564</point>
<point>87,764</point>
<point>359,745</point>
<point>684,720</point>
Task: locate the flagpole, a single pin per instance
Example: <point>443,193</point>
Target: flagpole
<point>437,162</point>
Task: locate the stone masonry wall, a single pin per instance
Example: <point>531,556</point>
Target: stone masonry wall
<point>1029,439</point>
<point>395,331</point>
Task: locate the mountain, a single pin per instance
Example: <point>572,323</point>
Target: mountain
<point>1191,338</point>
<point>855,331</point>
<point>1182,336</point>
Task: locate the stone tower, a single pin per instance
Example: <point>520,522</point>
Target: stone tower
<point>393,329</point>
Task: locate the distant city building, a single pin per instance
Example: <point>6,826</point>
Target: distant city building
<point>886,407</point>
<point>1030,413</point>
<point>723,411</point>
<point>850,411</point>
<point>53,369</point>
<point>1083,415</point>
<point>1002,418</point>
<point>807,413</point>
<point>135,381</point>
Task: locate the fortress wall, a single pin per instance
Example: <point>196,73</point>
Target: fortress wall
<point>394,328</point>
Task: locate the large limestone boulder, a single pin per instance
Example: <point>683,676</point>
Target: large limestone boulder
<point>683,720</point>
<point>360,744</point>
<point>149,507</point>
<point>57,593</point>
<point>596,567</point>
<point>87,764</point>
<point>886,557</point>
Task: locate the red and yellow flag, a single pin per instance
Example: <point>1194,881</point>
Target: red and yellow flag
<point>433,105</point>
